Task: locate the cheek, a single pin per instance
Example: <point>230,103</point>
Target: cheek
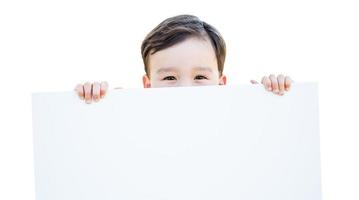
<point>154,83</point>
<point>215,79</point>
<point>157,83</point>
<point>214,82</point>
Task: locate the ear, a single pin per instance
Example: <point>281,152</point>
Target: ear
<point>222,80</point>
<point>146,81</point>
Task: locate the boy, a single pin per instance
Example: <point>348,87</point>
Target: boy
<point>183,51</point>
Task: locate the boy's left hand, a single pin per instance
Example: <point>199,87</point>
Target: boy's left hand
<point>276,84</point>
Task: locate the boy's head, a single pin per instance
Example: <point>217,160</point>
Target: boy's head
<point>183,51</point>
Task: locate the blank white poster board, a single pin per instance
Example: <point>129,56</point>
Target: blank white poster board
<point>187,143</point>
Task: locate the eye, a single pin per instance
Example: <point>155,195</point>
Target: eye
<point>169,78</point>
<point>200,77</point>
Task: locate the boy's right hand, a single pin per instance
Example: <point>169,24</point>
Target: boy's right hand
<point>91,91</point>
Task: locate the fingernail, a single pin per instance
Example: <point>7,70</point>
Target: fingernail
<point>270,89</point>
<point>88,101</point>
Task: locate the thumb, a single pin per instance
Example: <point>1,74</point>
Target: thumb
<point>254,82</point>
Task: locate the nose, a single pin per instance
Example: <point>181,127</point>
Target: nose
<point>185,83</point>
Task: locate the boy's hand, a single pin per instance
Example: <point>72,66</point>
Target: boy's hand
<point>89,91</point>
<point>278,85</point>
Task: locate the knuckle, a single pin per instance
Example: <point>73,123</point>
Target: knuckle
<point>268,83</point>
<point>78,86</point>
<point>264,79</point>
<point>96,83</point>
<point>104,84</point>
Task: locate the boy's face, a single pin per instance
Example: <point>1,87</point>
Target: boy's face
<point>189,63</point>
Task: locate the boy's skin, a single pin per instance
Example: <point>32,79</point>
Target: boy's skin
<point>191,62</point>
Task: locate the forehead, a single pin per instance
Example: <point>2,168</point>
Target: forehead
<point>194,53</point>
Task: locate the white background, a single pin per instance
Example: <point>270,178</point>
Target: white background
<point>52,45</point>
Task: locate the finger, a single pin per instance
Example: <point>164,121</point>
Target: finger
<point>103,89</point>
<point>88,90</point>
<point>80,91</point>
<point>96,91</point>
<point>254,82</point>
<point>280,80</point>
<point>287,83</point>
<point>274,83</point>
<point>267,83</point>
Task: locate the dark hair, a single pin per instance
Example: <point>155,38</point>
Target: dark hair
<point>178,28</point>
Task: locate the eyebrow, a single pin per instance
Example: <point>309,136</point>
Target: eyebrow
<point>169,69</point>
<point>203,69</point>
<point>166,70</point>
